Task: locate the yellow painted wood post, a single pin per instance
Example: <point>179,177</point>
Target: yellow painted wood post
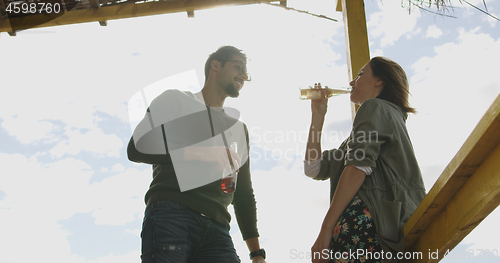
<point>356,37</point>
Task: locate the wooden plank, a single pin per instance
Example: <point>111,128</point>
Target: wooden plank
<point>5,22</point>
<point>479,196</point>
<point>464,194</point>
<point>120,11</point>
<point>338,5</point>
<point>94,3</point>
<point>356,38</point>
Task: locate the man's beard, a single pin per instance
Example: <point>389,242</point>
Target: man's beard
<point>232,91</point>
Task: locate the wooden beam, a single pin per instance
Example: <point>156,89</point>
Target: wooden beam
<point>466,192</point>
<point>94,3</point>
<point>356,38</point>
<point>5,22</point>
<point>119,11</point>
<point>339,5</point>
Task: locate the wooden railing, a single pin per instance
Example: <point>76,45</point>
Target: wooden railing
<point>467,191</point>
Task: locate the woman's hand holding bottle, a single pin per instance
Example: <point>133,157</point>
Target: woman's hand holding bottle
<point>319,106</point>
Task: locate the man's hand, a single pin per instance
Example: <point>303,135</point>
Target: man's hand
<point>253,245</point>
<point>258,259</point>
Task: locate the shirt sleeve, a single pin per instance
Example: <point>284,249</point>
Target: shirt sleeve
<point>371,130</point>
<point>245,206</point>
<point>332,162</point>
<point>148,137</point>
<point>311,168</point>
<point>366,169</point>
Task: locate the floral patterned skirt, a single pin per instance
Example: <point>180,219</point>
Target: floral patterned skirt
<point>354,236</point>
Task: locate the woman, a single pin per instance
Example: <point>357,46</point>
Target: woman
<point>375,180</point>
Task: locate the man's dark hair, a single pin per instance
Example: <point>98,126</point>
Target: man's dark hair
<point>222,54</point>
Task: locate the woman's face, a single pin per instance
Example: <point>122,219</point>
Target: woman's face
<point>365,86</point>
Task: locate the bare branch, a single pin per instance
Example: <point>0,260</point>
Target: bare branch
<point>443,5</point>
<point>430,11</point>
<point>302,11</point>
<point>486,12</point>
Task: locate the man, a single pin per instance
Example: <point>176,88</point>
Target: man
<point>186,138</point>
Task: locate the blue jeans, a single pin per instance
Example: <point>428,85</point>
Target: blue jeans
<point>173,233</point>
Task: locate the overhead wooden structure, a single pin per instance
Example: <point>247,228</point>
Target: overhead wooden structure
<point>65,12</point>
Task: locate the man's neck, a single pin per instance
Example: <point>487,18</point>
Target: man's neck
<point>212,97</point>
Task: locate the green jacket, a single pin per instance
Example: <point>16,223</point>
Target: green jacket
<point>395,188</point>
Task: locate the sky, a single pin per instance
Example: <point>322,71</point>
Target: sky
<point>68,192</point>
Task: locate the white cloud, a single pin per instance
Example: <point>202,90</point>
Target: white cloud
<point>38,195</point>
<point>70,124</point>
<point>24,228</point>
<point>377,52</point>
<point>433,31</point>
<point>299,202</point>
<point>469,11</point>
<point>35,185</point>
<point>448,87</point>
<point>120,199</point>
<point>493,21</point>
<point>118,168</point>
<point>135,232</point>
<point>131,257</point>
<point>27,131</point>
<point>92,141</point>
<point>391,22</point>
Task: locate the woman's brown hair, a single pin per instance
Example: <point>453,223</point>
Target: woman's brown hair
<point>396,87</point>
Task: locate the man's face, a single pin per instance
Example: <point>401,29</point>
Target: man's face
<point>232,76</point>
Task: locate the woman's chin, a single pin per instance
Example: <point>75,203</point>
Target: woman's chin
<point>354,100</point>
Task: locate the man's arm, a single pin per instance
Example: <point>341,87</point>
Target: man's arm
<point>245,206</point>
<point>135,156</point>
<point>253,245</point>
